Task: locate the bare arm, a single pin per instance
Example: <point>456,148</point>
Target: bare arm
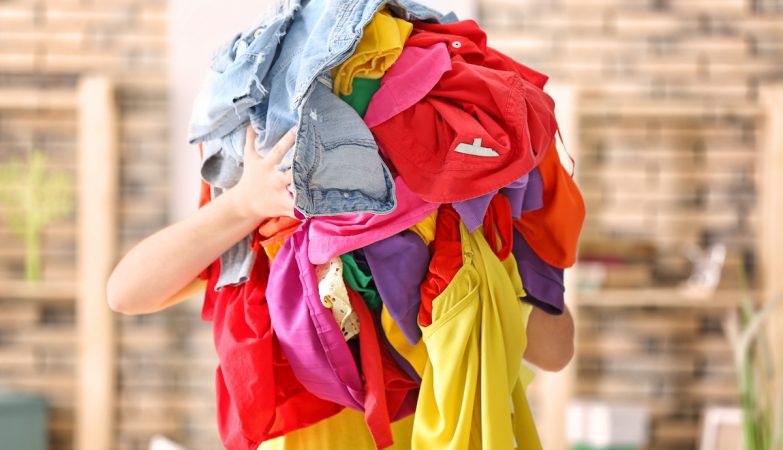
<point>162,269</point>
<point>550,340</point>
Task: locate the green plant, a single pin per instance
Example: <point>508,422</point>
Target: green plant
<point>33,197</point>
<point>759,376</point>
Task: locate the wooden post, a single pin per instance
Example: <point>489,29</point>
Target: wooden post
<point>97,230</point>
<point>558,388</point>
<point>770,241</point>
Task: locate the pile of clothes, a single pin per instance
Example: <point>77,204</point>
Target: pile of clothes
<point>433,214</point>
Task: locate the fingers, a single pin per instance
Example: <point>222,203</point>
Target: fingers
<point>288,177</point>
<point>250,143</point>
<point>281,148</point>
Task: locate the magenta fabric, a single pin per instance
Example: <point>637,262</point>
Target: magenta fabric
<point>331,236</point>
<point>409,80</point>
<point>307,332</point>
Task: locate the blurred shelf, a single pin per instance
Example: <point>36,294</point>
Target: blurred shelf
<point>658,297</point>
<point>61,291</point>
<point>35,99</point>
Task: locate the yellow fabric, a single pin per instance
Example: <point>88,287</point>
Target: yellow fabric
<point>345,430</point>
<point>472,395</point>
<point>416,355</point>
<point>272,249</point>
<point>379,47</point>
<point>426,228</point>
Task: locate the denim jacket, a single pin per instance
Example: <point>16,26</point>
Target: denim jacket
<point>276,75</point>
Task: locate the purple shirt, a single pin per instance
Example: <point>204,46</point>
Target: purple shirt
<point>543,282</point>
<point>525,194</point>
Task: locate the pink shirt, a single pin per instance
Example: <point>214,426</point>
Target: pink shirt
<point>332,236</point>
<point>410,79</point>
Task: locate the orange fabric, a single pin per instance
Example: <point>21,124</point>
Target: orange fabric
<point>272,233</point>
<point>446,251</point>
<point>553,231</point>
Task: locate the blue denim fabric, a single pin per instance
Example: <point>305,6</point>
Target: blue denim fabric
<point>266,75</point>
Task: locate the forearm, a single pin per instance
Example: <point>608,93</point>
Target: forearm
<point>166,263</point>
<point>550,340</point>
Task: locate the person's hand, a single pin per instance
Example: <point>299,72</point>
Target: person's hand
<point>263,190</point>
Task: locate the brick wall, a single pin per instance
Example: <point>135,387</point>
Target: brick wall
<point>669,141</point>
<point>166,361</point>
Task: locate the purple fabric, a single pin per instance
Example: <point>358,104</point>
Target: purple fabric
<point>308,333</point>
<point>525,194</point>
<point>361,261</point>
<point>543,283</point>
<point>534,195</point>
<point>399,265</point>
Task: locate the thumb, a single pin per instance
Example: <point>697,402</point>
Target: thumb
<point>250,144</point>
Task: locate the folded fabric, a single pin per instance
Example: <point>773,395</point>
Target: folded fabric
<point>553,230</point>
<point>409,80</point>
<point>380,45</point>
<point>331,236</point>
<point>480,128</point>
<point>258,397</point>
<point>398,265</point>
<point>307,332</point>
<point>543,282</point>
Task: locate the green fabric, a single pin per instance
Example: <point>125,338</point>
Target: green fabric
<point>360,281</point>
<point>363,90</point>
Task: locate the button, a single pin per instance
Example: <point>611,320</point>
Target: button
<point>258,32</point>
<point>456,44</point>
<point>346,195</point>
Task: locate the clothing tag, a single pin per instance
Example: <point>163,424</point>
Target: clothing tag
<point>475,149</point>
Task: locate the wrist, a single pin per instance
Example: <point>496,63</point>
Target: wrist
<point>243,206</point>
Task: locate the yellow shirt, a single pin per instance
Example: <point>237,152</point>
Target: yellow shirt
<point>472,392</point>
<point>343,431</point>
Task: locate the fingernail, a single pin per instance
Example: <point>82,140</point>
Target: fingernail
<point>295,129</point>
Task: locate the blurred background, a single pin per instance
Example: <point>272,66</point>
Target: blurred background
<point>672,110</point>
